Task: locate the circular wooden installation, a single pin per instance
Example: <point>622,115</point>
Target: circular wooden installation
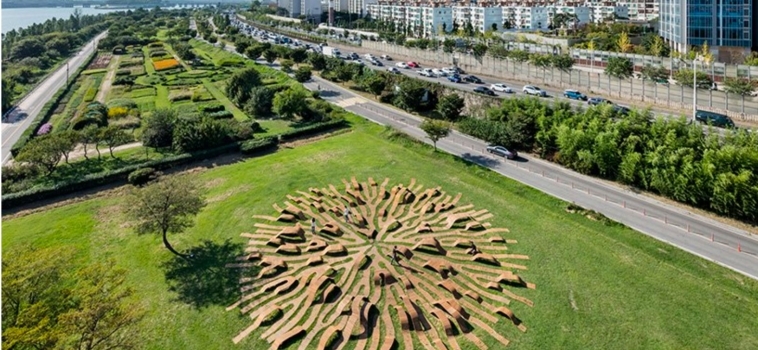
<point>337,282</point>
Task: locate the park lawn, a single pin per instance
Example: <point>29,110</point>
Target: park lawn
<point>221,97</point>
<point>599,286</point>
<point>273,126</point>
<point>161,97</point>
<point>147,62</point>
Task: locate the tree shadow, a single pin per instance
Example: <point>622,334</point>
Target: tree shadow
<point>204,279</point>
<point>480,160</point>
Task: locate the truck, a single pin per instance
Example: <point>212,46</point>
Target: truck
<point>330,51</point>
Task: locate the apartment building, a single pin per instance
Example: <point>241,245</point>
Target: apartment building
<point>527,18</point>
<point>292,7</point>
<point>311,9</point>
<point>360,6</point>
<point>481,18</point>
<point>603,13</point>
<point>420,21</point>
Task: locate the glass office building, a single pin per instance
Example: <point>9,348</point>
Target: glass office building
<point>720,23</point>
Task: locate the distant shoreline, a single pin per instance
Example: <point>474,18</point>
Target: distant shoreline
<point>96,7</point>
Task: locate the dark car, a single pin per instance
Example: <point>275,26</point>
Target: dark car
<point>455,78</point>
<point>594,101</point>
<point>502,151</point>
<point>472,79</point>
<point>484,91</point>
<point>621,110</point>
<point>715,119</point>
<point>377,63</point>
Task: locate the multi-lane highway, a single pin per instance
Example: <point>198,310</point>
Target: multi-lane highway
<point>723,244</point>
<point>19,119</point>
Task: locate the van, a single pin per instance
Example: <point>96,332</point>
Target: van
<point>574,95</point>
<point>715,119</point>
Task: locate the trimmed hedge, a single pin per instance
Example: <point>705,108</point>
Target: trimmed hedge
<point>221,115</point>
<point>210,108</point>
<point>48,109</point>
<point>141,176</point>
<point>258,145</point>
<point>312,129</point>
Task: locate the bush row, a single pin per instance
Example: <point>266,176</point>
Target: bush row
<point>47,110</point>
<point>221,115</point>
<point>121,175</point>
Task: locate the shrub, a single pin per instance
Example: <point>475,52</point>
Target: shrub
<point>141,176</point>
<point>312,129</point>
<point>165,64</point>
<point>90,95</point>
<point>155,44</point>
<point>387,97</point>
<point>213,107</point>
<point>45,129</point>
<point>221,115</point>
<point>117,112</point>
<point>258,145</point>
<point>124,80</point>
<point>122,102</point>
<point>159,53</point>
<point>123,72</point>
<point>182,96</point>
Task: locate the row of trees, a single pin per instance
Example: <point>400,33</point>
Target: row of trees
<point>670,157</point>
<point>49,304</point>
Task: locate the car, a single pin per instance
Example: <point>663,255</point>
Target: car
<point>621,110</point>
<point>533,90</point>
<point>369,56</point>
<point>502,151</point>
<point>484,91</point>
<point>501,88</point>
<point>455,78</point>
<point>386,57</point>
<point>354,56</point>
<point>413,64</point>
<point>402,65</point>
<point>450,70</point>
<point>715,119</point>
<point>426,72</point>
<point>472,79</point>
<point>439,72</point>
<point>393,70</point>
<point>574,95</point>
<point>594,101</point>
<point>377,63</point>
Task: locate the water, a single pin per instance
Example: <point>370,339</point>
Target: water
<point>23,17</point>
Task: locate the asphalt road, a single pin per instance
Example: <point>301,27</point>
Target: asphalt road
<point>723,244</point>
<point>669,224</point>
<point>19,119</point>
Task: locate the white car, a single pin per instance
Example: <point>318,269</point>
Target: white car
<point>386,58</point>
<point>393,70</point>
<point>369,57</point>
<point>449,71</point>
<point>427,73</point>
<point>402,65</point>
<point>501,88</point>
<point>439,72</point>
<point>533,90</point>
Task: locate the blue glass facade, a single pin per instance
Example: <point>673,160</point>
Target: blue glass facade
<point>688,23</point>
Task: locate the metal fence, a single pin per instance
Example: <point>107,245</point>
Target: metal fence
<point>743,108</point>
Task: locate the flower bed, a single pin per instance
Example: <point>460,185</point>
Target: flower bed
<point>166,64</point>
<point>102,61</point>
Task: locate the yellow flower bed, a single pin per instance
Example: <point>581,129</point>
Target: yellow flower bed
<point>166,64</point>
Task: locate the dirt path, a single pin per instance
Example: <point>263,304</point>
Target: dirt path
<point>105,87</point>
<point>91,152</point>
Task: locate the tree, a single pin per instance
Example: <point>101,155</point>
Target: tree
<point>318,61</point>
<point>540,60</point>
<point>8,94</point>
<point>270,55</point>
<point>241,44</point>
<point>494,27</point>
<point>158,128</point>
<point>562,61</point>
<point>260,102</point>
<point>739,86</point>
<point>375,84</point>
<point>42,151</point>
<point>657,47</point>
<point>450,107</point>
<point>238,88</point>
<point>66,142</point>
<point>299,55</point>
<point>286,65</point>
<point>104,318</point>
<point>619,67</point>
<point>290,103</point>
<point>166,206</point>
<point>29,47</point>
<point>448,45</point>
<point>479,50</point>
<point>89,135</point>
<point>253,52</point>
<point>410,95</point>
<point>654,73</point>
<point>435,130</point>
<point>303,74</point>
<point>623,43</point>
<point>184,51</point>
<point>112,137</point>
<point>684,77</point>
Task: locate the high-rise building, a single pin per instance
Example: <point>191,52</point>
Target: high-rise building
<point>726,25</point>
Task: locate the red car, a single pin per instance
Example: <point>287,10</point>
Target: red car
<point>412,64</point>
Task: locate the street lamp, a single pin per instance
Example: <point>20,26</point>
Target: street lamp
<point>705,59</point>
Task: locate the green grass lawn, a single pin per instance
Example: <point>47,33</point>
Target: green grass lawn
<point>599,286</point>
<point>221,97</point>
<point>161,97</point>
<point>274,126</point>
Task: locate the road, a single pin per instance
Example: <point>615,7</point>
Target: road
<point>725,245</point>
<point>19,119</point>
